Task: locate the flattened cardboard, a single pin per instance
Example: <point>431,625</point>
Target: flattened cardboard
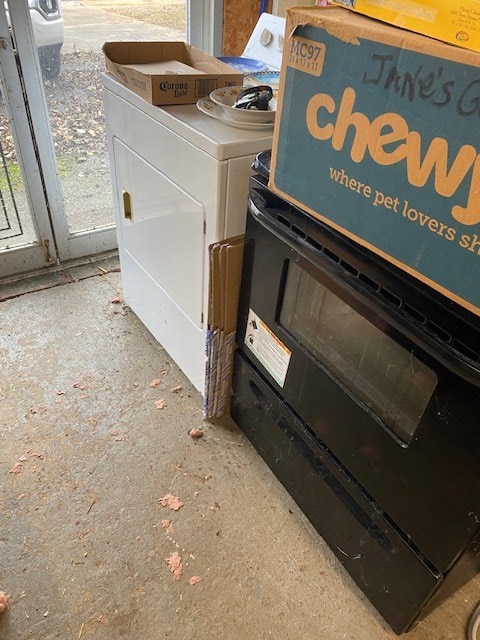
<point>457,23</point>
<point>225,259</point>
<point>131,64</point>
<point>377,135</point>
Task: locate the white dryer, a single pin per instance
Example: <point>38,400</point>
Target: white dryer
<point>180,182</point>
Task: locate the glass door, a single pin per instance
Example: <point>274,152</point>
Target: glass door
<point>26,238</point>
<point>74,101</point>
<point>59,56</point>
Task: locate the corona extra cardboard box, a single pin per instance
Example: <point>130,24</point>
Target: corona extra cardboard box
<point>164,73</point>
<point>378,135</point>
<point>454,22</point>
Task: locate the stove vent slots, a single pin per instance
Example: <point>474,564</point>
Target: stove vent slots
<point>414,314</point>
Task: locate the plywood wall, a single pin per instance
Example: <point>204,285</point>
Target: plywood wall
<point>239,19</point>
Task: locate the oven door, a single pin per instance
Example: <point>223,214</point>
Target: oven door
<point>398,413</point>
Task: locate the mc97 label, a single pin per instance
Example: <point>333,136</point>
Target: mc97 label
<point>306,55</point>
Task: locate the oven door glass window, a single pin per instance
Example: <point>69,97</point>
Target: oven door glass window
<point>383,375</point>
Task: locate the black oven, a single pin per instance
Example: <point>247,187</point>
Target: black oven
<point>359,386</point>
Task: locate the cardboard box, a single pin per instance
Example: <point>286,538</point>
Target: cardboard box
<point>377,135</point>
<point>226,258</point>
<point>279,7</point>
<point>167,72</point>
<point>454,22</point>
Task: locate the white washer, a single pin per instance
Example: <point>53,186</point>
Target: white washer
<point>180,182</point>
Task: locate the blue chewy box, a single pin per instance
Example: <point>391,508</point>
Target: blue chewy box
<point>378,135</point>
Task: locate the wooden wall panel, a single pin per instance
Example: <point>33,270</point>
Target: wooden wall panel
<point>239,19</point>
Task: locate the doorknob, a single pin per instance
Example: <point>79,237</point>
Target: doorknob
<point>3,43</point>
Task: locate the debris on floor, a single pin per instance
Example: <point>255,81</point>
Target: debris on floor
<point>194,580</point>
<point>174,563</point>
<point>17,468</point>
<point>195,433</point>
<point>119,437</point>
<point>171,501</point>
<point>4,601</point>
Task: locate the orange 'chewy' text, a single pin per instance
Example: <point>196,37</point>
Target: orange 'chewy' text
<point>389,128</point>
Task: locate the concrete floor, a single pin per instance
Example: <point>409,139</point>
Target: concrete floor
<point>82,546</point>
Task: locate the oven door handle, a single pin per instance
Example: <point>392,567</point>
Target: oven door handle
<point>450,358</point>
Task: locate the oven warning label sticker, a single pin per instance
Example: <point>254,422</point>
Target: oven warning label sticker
<point>267,348</point>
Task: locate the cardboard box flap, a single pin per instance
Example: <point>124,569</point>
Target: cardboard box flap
<point>145,52</point>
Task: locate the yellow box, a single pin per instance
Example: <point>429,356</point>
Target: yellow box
<point>453,22</point>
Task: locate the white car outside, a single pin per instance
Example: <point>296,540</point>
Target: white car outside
<point>48,30</point>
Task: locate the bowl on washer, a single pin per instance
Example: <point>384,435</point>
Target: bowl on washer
<point>226,98</point>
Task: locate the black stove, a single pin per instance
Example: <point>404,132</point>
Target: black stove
<point>359,386</point>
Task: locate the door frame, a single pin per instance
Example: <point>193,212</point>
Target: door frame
<point>43,251</point>
<point>205,25</point>
<point>69,245</point>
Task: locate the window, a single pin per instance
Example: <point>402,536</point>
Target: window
<point>384,376</point>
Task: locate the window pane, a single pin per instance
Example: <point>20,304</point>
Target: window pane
<point>71,73</point>
<point>383,375</point>
<point>17,228</point>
